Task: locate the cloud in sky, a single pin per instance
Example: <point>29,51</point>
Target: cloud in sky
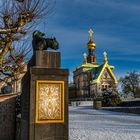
<point>116,25</point>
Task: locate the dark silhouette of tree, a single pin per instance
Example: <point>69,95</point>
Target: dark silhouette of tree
<point>17,18</point>
<point>130,83</point>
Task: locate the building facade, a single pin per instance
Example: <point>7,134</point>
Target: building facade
<point>91,78</point>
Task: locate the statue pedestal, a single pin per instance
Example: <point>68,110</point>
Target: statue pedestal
<point>44,99</point>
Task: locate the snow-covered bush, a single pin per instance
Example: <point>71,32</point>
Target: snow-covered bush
<point>110,98</point>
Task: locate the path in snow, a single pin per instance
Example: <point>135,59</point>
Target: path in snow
<point>88,124</point>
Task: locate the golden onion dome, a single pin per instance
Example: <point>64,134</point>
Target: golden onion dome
<point>91,45</point>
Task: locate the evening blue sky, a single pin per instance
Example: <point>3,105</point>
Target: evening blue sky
<point>116,25</point>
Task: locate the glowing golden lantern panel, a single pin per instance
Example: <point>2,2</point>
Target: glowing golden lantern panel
<point>49,101</point>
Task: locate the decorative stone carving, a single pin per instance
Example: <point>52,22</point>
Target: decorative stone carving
<point>49,101</point>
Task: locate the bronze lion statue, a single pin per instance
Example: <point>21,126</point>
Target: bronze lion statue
<point>41,42</point>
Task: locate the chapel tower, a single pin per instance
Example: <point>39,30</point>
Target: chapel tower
<point>91,45</point>
<point>91,78</point>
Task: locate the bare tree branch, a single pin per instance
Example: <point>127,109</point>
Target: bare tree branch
<point>17,17</point>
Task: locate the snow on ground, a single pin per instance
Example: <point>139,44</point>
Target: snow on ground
<point>88,124</point>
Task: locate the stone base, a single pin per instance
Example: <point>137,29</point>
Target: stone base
<point>30,128</point>
<point>97,104</point>
<point>48,59</point>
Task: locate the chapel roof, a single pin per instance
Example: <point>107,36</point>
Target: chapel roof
<point>99,71</point>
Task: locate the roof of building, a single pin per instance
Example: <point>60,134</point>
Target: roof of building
<point>99,71</point>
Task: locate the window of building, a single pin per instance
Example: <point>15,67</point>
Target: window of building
<point>85,77</point>
<point>78,83</point>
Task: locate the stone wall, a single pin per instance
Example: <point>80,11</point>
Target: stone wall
<point>7,117</point>
<point>134,110</point>
<point>130,103</point>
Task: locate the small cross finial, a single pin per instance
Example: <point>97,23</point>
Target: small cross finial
<point>105,54</point>
<point>105,57</point>
<point>85,57</point>
<point>90,34</point>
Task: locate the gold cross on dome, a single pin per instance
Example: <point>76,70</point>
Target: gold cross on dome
<point>90,34</point>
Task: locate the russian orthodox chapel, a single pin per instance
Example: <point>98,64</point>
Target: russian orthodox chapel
<point>91,78</point>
